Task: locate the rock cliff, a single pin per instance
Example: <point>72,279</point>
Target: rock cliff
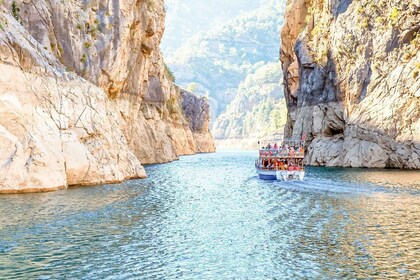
<point>85,97</point>
<point>352,82</point>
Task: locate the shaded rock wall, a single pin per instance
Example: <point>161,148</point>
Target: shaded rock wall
<point>352,83</point>
<point>197,111</point>
<point>84,98</point>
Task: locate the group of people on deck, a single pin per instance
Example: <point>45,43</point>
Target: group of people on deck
<point>280,164</point>
<point>283,150</point>
<point>282,157</point>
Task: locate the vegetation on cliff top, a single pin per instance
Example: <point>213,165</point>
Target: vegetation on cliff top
<point>219,60</point>
<point>227,65</point>
<point>258,109</point>
<point>169,74</point>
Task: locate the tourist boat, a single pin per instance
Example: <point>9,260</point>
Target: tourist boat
<point>283,163</point>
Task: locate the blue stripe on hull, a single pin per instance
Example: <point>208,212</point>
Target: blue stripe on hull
<point>267,177</point>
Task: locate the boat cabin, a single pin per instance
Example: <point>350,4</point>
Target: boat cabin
<point>288,156</point>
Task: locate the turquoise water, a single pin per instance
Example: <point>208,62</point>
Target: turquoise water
<point>210,217</point>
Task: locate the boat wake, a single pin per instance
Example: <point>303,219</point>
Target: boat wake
<point>322,187</point>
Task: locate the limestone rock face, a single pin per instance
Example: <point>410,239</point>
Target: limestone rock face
<point>352,82</point>
<point>84,98</point>
<point>56,129</point>
<point>197,111</point>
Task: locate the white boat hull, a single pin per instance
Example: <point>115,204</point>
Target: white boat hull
<point>281,175</point>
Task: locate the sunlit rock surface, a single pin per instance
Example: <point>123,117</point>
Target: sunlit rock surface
<point>351,70</point>
<point>84,96</point>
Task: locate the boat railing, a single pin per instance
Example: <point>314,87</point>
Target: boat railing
<point>279,168</point>
<point>282,152</point>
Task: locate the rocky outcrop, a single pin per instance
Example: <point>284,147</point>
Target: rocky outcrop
<point>84,97</point>
<point>197,111</point>
<point>352,83</point>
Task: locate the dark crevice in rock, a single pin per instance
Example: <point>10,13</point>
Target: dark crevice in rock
<point>342,7</point>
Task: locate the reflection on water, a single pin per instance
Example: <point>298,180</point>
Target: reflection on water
<point>208,216</point>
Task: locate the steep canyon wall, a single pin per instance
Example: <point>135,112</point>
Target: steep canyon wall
<point>85,97</point>
<point>352,82</point>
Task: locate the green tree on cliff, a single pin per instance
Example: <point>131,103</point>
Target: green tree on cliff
<point>15,11</point>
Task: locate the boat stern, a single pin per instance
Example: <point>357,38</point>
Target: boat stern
<point>285,175</point>
<point>267,174</point>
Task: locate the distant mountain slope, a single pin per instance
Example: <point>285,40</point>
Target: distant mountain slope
<point>186,18</point>
<point>219,60</point>
<point>259,108</point>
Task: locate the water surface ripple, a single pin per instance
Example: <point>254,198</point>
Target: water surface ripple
<point>210,217</point>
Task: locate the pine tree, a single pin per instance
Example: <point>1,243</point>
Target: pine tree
<point>15,11</point>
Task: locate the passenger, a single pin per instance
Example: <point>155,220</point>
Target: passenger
<point>292,152</point>
<point>301,167</point>
<point>301,151</point>
<point>281,165</point>
<point>275,146</point>
<point>269,146</point>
